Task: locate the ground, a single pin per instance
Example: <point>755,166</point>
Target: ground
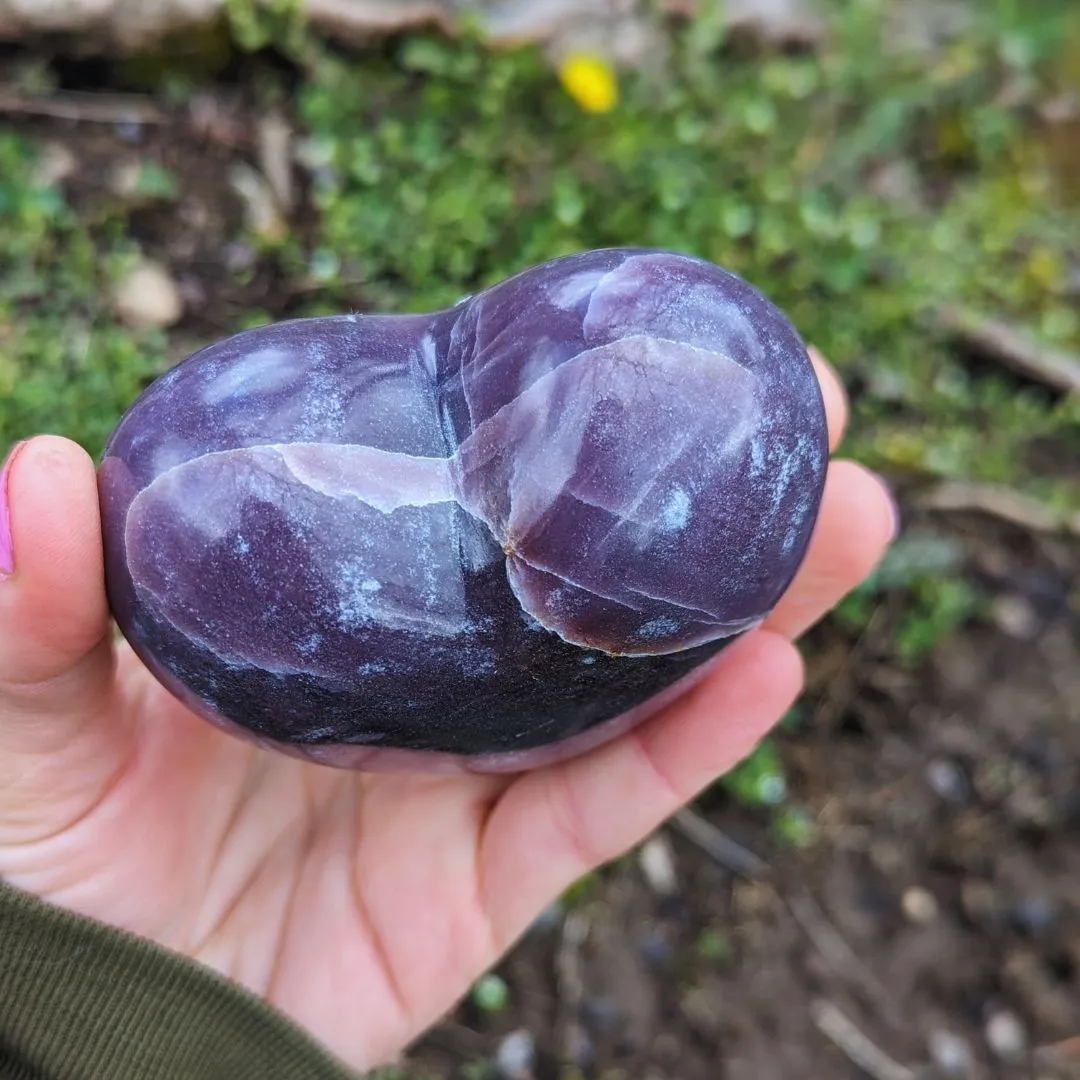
<point>903,896</point>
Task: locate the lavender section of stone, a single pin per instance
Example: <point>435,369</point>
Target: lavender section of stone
<point>479,533</point>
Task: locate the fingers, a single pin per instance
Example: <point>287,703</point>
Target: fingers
<point>553,825</point>
<point>835,396</point>
<point>55,658</point>
<point>855,526</point>
<point>52,607</point>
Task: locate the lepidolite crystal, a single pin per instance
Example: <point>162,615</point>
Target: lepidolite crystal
<point>497,534</point>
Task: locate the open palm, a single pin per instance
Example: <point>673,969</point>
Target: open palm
<point>362,905</point>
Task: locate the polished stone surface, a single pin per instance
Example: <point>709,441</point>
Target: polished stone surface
<point>478,533</point>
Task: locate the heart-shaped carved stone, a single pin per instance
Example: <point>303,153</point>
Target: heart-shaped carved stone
<point>486,537</point>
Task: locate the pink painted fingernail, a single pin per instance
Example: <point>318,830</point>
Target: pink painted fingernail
<point>7,550</point>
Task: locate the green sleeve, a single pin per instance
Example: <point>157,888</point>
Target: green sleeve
<point>82,1001</point>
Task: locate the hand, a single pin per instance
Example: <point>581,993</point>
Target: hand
<point>363,906</point>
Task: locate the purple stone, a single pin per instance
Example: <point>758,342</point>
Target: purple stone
<point>484,538</point>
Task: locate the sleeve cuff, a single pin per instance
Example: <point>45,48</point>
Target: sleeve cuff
<point>80,1000</point>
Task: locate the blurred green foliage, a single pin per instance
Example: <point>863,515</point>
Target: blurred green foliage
<point>491,993</point>
<point>937,599</point>
<point>713,945</point>
<point>255,24</point>
<point>760,782</point>
<point>66,365</point>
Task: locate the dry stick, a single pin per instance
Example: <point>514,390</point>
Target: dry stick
<point>1063,1056</point>
<point>87,108</point>
<point>840,956</point>
<point>843,1033</point>
<point>1014,348</point>
<point>719,846</point>
<point>839,697</point>
<point>1002,502</point>
<point>571,983</point>
<point>803,907</point>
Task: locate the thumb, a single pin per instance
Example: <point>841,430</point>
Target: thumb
<point>56,655</point>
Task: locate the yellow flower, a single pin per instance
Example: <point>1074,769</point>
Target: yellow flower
<point>590,80</point>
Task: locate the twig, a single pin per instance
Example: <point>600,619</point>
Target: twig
<point>843,1033</point>
<point>719,846</point>
<point>804,909</point>
<point>839,955</point>
<point>458,1039</point>
<point>1001,502</point>
<point>1014,348</point>
<point>274,138</point>
<point>86,108</point>
<point>571,983</point>
<point>1062,1057</point>
<point>840,692</point>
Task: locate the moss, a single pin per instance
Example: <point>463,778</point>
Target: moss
<point>65,364</point>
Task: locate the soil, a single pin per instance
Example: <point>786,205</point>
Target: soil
<point>937,914</point>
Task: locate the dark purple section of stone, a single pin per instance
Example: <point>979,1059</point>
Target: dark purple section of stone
<point>483,532</point>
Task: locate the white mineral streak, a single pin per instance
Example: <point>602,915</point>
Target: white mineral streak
<point>646,291</point>
<point>268,369</point>
<point>380,478</point>
<point>375,574</point>
<point>627,372</point>
<point>674,397</point>
<point>651,634</point>
<point>566,293</point>
<point>675,512</point>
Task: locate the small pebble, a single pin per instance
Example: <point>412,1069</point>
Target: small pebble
<point>654,946</point>
<point>950,1053</point>
<point>919,905</point>
<point>261,208</point>
<point>657,862</point>
<point>123,179</point>
<point>515,1058</point>
<point>897,181</point>
<point>947,780</point>
<point>238,256</point>
<point>1005,1035</point>
<point>148,297</point>
<point>56,163</point>
<point>1035,914</point>
<point>1016,617</point>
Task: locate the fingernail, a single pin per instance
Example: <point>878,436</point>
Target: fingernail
<point>7,549</point>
